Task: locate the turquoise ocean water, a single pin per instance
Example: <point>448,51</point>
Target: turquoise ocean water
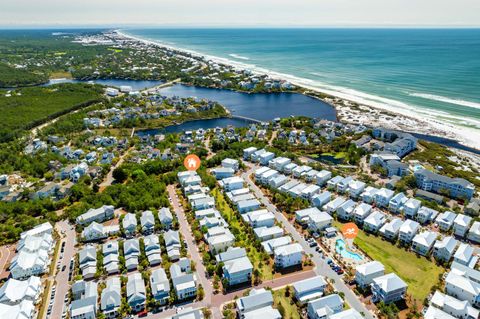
<point>434,72</point>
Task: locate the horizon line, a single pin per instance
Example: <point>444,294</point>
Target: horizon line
<point>170,26</point>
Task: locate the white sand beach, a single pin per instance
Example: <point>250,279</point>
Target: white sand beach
<point>353,106</point>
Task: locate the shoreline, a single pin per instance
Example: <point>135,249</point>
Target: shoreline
<point>350,109</point>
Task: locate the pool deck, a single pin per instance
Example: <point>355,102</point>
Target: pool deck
<point>352,262</point>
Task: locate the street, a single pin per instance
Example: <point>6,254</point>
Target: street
<point>61,278</point>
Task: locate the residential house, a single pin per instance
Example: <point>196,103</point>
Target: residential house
<point>184,283</point>
<point>136,292</point>
<point>356,188</point>
<point>453,306</point>
<point>443,249</point>
<point>160,286</point>
<point>374,221</point>
<point>111,298</point>
<point>368,195</point>
<point>361,212</point>
<point>345,211</point>
<point>165,217</point>
<point>465,255</point>
<point>110,257</point>
<point>147,221</point>
<point>395,205</point>
<point>152,249</point>
<point>266,233</point>
<point>461,224</point>
<point>324,307</point>
<point>391,229</point>
<point>98,215</point>
<point>87,259</point>
<point>426,215</point>
<point>445,220</point>
<point>383,196</point>
<point>288,255</point>
<point>172,244</point>
<point>131,252</point>
<point>388,288</point>
<point>318,200</point>
<point>129,224</point>
<point>407,231</point>
<point>333,205</point>
<point>365,273</point>
<point>423,242</point>
<point>474,232</point>
<point>322,177</point>
<point>270,245</point>
<point>257,299</point>
<point>463,284</point>
<point>411,207</point>
<point>309,289</point>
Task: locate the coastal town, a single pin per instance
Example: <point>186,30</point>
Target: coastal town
<point>117,208</point>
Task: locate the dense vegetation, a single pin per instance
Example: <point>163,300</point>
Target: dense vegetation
<point>29,107</point>
<point>12,77</point>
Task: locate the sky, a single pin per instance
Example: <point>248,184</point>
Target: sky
<point>237,13</point>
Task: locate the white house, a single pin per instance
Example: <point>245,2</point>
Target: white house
<point>309,289</point>
<point>98,214</point>
<point>361,212</point>
<point>391,229</point>
<point>345,211</point>
<point>395,205</point>
<point>160,285</point>
<point>111,298</point>
<point>426,215</point>
<point>461,224</point>
<point>453,306</point>
<point>136,293</point>
<point>365,273</point>
<point>407,231</point>
<point>445,220</point>
<point>270,245</point>
<point>322,177</point>
<point>266,233</point>
<point>374,221</point>
<point>444,249</point>
<point>318,200</point>
<point>388,288</point>
<point>257,299</point>
<point>474,232</point>
<point>383,196</point>
<point>324,307</point>
<point>333,205</point>
<point>318,220</point>
<point>129,224</point>
<point>411,207</point>
<point>423,242</point>
<point>368,195</point>
<point>460,284</point>
<point>465,255</point>
<point>288,255</point>
<point>356,188</point>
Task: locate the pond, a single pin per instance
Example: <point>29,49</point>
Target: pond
<point>263,107</point>
<point>195,125</point>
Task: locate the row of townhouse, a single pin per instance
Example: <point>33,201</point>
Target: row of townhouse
<point>34,250</point>
<point>385,287</point>
<point>382,198</point>
<point>236,269</point>
<point>147,221</point>
<point>263,223</point>
<point>461,296</point>
<point>19,297</point>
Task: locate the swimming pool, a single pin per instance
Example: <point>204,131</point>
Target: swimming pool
<point>341,248</point>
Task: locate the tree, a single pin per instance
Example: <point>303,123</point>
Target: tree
<point>120,174</point>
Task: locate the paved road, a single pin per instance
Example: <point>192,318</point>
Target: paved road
<point>108,180</point>
<point>321,267</point>
<point>61,278</point>
<point>6,254</point>
<point>186,231</point>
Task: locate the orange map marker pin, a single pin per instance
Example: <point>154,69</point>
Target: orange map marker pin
<point>350,230</point>
<point>191,162</point>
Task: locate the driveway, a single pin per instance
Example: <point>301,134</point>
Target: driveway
<point>321,267</point>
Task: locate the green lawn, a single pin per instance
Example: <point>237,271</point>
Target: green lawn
<point>291,310</point>
<point>242,236</point>
<point>418,272</point>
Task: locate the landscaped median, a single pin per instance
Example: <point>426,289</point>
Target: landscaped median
<point>419,273</point>
<point>244,238</point>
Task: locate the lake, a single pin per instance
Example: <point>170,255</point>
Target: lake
<point>263,107</point>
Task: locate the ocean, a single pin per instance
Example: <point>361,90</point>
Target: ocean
<point>431,72</point>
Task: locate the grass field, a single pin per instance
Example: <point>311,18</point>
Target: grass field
<point>419,273</point>
<point>241,236</point>
<point>291,310</point>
